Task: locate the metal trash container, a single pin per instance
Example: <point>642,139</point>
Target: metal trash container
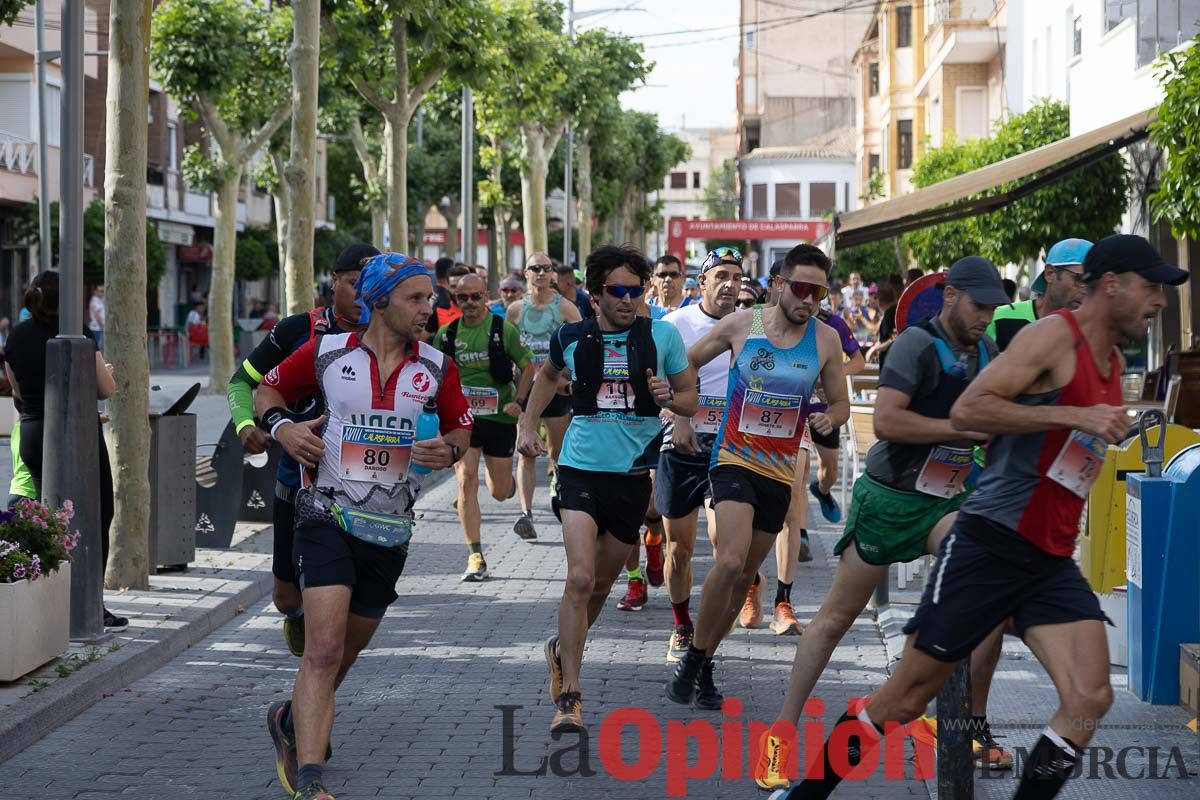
<point>218,490</point>
<point>258,486</point>
<point>172,490</point>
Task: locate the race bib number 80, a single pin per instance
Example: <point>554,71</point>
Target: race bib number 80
<point>377,455</point>
<point>766,414</point>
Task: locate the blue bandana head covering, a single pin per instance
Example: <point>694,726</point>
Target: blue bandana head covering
<point>379,276</point>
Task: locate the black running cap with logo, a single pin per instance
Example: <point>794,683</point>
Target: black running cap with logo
<point>1125,252</point>
<point>350,259</point>
<point>980,279</point>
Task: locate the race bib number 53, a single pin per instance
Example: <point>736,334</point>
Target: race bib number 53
<point>766,414</point>
<point>1078,463</point>
<point>709,413</point>
<point>377,455</point>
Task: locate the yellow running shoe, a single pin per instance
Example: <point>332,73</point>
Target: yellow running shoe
<point>293,634</point>
<point>555,663</point>
<point>770,771</point>
<point>568,715</point>
<point>476,569</point>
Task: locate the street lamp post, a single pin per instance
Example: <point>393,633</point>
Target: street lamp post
<point>467,189</point>
<point>70,441</point>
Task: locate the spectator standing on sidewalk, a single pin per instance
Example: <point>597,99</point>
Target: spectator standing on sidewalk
<point>96,316</point>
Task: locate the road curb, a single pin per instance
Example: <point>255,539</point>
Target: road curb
<point>28,720</point>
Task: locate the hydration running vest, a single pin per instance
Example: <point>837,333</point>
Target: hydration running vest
<point>537,325</point>
<point>589,376</point>
<point>767,404</point>
<point>500,366</point>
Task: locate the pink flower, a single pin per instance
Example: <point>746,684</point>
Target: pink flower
<point>68,509</point>
<point>18,571</point>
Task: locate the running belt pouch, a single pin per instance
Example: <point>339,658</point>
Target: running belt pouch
<point>589,367</point>
<point>384,530</point>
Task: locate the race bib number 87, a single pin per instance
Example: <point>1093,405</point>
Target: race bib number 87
<point>377,455</point>
<point>766,414</point>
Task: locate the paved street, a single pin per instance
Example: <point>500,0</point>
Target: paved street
<point>419,718</point>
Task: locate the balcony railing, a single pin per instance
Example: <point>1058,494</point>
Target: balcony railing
<point>20,156</point>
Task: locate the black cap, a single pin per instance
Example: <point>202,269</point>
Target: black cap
<point>980,279</point>
<point>776,267</point>
<point>352,257</point>
<point>1125,252</point>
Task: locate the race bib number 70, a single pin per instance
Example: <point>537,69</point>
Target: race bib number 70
<point>1078,464</point>
<point>378,455</point>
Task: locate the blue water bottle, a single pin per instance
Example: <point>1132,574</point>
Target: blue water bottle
<point>428,425</point>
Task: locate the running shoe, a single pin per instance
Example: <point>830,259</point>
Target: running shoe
<point>654,560</point>
<point>829,507</point>
<point>805,554</point>
<point>635,596</point>
<point>285,746</point>
<point>555,663</point>
<point>293,634</point>
<point>314,791</point>
<point>678,644</point>
<point>114,623</point>
<point>681,687</point>
<point>752,615</point>
<point>770,771</point>
<point>524,527</point>
<point>784,622</point>
<point>988,752</point>
<point>476,569</point>
<point>708,697</point>
<point>568,714</point>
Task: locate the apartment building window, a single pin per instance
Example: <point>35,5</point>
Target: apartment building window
<point>873,78</point>
<point>904,26</point>
<point>1117,11</point>
<point>822,197</point>
<point>758,201</point>
<point>749,37</point>
<point>872,164</point>
<point>695,180</point>
<point>971,110</point>
<point>172,147</point>
<point>15,113</point>
<point>1163,25</point>
<point>787,200</point>
<point>53,116</point>
<point>678,180</point>
<point>1077,36</point>
<point>904,142</point>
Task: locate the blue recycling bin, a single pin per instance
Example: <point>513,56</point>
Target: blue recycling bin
<point>1162,551</point>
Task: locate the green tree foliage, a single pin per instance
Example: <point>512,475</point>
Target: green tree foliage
<point>873,260</point>
<point>26,230</point>
<point>632,156</point>
<point>720,195</point>
<point>345,183</point>
<point>253,259</point>
<point>9,9</point>
<point>1088,203</point>
<point>327,244</point>
<point>1177,199</point>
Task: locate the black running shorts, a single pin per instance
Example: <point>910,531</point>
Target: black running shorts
<point>680,484</point>
<point>496,439</point>
<point>770,498</point>
<point>617,501</point>
<point>283,520</point>
<point>328,556</point>
<point>560,406</point>
<point>986,573</point>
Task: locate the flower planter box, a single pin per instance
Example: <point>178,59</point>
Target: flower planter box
<point>8,416</point>
<point>35,622</point>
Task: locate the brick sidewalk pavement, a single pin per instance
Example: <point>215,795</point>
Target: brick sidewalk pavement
<point>419,716</point>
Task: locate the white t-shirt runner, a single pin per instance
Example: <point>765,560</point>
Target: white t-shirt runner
<point>693,324</point>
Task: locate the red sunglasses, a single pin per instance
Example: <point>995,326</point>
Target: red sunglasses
<point>803,289</point>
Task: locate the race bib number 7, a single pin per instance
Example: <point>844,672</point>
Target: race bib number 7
<point>946,471</point>
<point>377,455</point>
<point>766,414</point>
<point>1077,465</point>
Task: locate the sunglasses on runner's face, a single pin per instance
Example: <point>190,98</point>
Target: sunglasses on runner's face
<point>666,275</point>
<point>621,292</point>
<point>538,269</point>
<point>473,297</point>
<point>803,289</point>
<point>509,291</point>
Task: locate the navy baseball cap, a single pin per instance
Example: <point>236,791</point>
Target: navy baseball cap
<point>980,279</point>
<point>350,259</point>
<point>1125,252</point>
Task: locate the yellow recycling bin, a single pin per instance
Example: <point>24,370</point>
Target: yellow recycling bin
<point>1102,547</point>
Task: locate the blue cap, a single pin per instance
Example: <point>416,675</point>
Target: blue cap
<point>1066,252</point>
<point>690,283</point>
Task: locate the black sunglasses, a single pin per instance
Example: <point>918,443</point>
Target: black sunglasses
<point>473,297</point>
<point>509,291</point>
<point>538,269</point>
<point>665,275</point>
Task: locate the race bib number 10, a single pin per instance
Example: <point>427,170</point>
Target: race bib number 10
<point>766,414</point>
<point>709,413</point>
<point>1078,463</point>
<point>377,455</point>
<point>946,470</point>
<point>482,400</point>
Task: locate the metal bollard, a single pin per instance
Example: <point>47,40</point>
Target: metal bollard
<point>955,766</point>
<point>1152,456</point>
